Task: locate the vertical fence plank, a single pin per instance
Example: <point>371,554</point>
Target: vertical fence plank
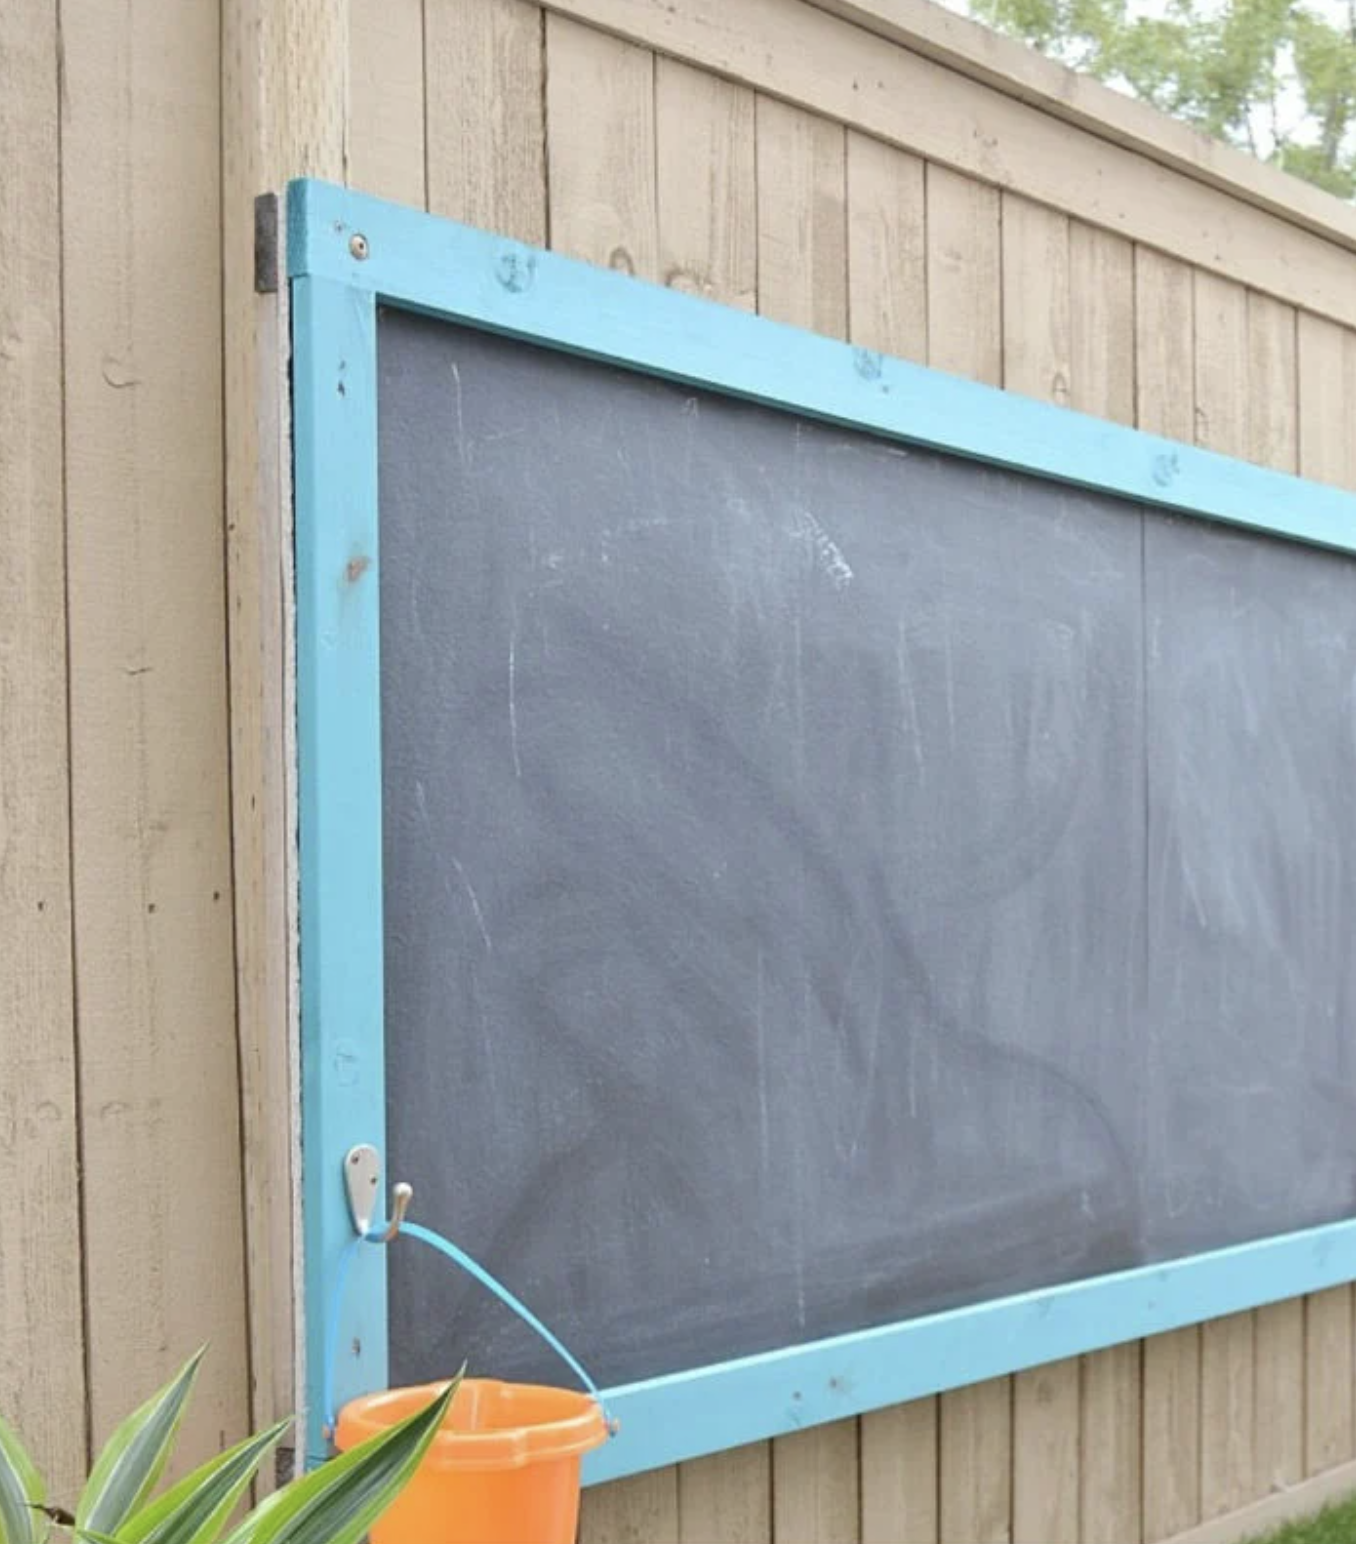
<point>1165,404</point>
<point>40,1267</point>
<point>1172,1433</point>
<point>1273,407</point>
<point>975,1463</point>
<point>1110,1486</point>
<point>1327,1410</point>
<point>483,104</point>
<point>641,1510</point>
<point>815,1491</point>
<point>1102,341</point>
<point>1278,1417</point>
<point>899,1474</point>
<point>965,329</point>
<point>1046,1416</point>
<point>283,113</point>
<point>154,948</point>
<point>802,219</point>
<point>601,148</point>
<point>1227,1349</point>
<point>1221,364</point>
<point>1037,331</point>
<point>1228,1385</point>
<point>887,249</point>
<point>386,75</point>
<point>707,198</point>
<point>727,1498</point>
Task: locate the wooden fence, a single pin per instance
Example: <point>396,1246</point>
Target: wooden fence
<point>874,169</point>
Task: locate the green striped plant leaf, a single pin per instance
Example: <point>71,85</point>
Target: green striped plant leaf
<point>21,1492</point>
<point>195,1510</point>
<point>135,1455</point>
<point>339,1502</point>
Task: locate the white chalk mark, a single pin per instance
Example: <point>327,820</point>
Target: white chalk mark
<point>910,703</point>
<point>475,903</point>
<point>463,450</point>
<point>764,1122</point>
<point>513,693</point>
<point>826,554</point>
<point>950,676</point>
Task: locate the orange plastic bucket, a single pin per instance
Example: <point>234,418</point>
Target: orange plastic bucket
<point>503,1469</point>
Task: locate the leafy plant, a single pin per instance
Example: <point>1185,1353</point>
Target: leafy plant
<point>1273,77</point>
<point>335,1504</point>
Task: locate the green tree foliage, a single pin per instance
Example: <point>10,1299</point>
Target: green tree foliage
<point>1274,77</point>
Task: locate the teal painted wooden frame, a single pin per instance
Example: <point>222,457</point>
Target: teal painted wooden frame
<point>347,253</point>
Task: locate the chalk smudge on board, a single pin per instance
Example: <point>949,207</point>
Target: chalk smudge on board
<point>513,694</point>
<point>825,553</point>
<point>463,450</point>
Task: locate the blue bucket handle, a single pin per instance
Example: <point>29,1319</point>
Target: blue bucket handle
<point>459,1257</point>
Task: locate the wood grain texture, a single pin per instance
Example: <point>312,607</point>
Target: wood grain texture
<point>799,54</point>
<point>42,1394</point>
<point>1327,1380</point>
<point>1037,317</point>
<point>1165,396</point>
<point>1109,1475</point>
<point>1046,1434</point>
<point>154,950</point>
<point>1228,1396</point>
<point>1221,364</point>
<point>601,149</point>
<point>706,185</point>
<point>1102,323</point>
<point>802,219</point>
<point>965,326</point>
<point>1323,426</point>
<point>727,1498</point>
<point>303,67</point>
<point>642,1510</point>
<point>975,1463</point>
<point>486,147</point>
<point>1172,1433</point>
<point>284,112</point>
<point>973,49</point>
<point>386,118</point>
<point>887,249</point>
<point>1273,387</point>
<point>899,1464</point>
<point>815,1486</point>
<point>1278,1418</point>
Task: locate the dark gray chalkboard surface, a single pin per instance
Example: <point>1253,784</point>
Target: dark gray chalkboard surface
<point>827,881</point>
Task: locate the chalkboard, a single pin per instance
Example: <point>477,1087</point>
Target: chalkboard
<point>828,881</point>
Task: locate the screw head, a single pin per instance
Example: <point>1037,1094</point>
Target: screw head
<point>357,244</point>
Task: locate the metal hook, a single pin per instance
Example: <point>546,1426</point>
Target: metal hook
<point>401,1197</point>
<point>362,1180</point>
